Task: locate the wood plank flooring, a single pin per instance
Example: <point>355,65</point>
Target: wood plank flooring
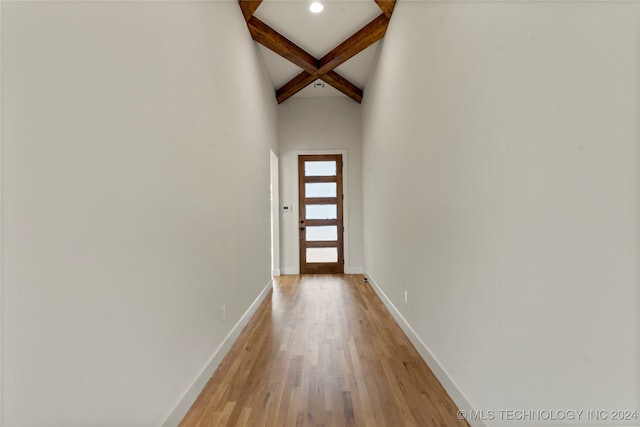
<point>322,350</point>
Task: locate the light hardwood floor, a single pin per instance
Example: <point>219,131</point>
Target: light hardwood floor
<point>322,350</point>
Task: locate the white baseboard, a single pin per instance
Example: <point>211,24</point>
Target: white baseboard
<point>290,270</point>
<point>183,404</point>
<point>445,379</point>
<point>276,272</point>
<point>353,270</point>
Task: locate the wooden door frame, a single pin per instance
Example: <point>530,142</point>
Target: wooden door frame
<point>345,204</point>
<point>307,267</point>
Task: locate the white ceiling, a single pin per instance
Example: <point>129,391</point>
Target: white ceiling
<point>318,34</point>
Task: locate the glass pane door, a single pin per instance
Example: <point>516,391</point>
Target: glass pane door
<point>321,230</point>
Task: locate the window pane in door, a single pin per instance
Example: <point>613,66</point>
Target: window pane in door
<point>320,189</point>
<point>321,212</point>
<point>323,233</point>
<point>325,168</point>
<point>322,255</point>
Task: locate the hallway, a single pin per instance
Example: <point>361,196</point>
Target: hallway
<point>322,351</point>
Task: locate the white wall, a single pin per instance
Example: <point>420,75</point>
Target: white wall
<point>500,158</point>
<point>135,202</point>
<point>323,124</point>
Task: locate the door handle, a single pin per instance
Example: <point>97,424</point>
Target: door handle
<point>301,228</point>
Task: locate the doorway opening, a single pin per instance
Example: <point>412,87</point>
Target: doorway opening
<point>275,216</point>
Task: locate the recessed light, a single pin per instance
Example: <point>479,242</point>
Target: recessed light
<point>316,7</point>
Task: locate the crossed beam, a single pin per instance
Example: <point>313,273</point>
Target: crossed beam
<point>313,68</point>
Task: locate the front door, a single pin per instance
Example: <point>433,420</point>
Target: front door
<point>321,229</point>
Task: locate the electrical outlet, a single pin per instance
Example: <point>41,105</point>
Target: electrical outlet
<point>406,297</point>
<point>224,311</point>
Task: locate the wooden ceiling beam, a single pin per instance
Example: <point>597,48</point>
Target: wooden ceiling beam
<point>362,39</point>
<point>273,40</point>
<point>386,6</point>
<point>343,85</point>
<point>294,86</point>
<point>317,69</point>
<point>304,79</point>
<point>249,7</point>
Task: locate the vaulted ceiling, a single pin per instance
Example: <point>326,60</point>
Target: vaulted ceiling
<point>322,54</point>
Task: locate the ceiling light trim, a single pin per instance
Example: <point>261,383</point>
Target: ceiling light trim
<point>316,7</point>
